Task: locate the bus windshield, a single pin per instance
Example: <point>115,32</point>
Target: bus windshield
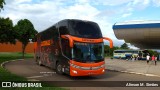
<point>87,52</point>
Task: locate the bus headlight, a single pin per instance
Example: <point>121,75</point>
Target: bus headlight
<point>75,72</point>
<point>103,70</point>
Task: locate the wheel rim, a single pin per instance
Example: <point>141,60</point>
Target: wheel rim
<point>39,62</point>
<point>59,68</point>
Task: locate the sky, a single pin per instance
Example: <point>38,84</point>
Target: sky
<point>45,13</point>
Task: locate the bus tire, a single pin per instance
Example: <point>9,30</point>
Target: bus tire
<point>59,68</point>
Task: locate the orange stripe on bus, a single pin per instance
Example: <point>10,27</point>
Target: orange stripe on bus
<point>45,43</point>
<point>82,39</point>
<point>70,39</point>
<point>87,40</point>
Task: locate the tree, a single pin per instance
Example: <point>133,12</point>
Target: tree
<point>152,52</point>
<point>2,2</point>
<point>109,51</point>
<point>7,33</point>
<point>25,31</point>
<point>124,46</point>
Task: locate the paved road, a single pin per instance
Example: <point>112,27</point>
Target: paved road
<point>29,69</point>
<point>137,67</point>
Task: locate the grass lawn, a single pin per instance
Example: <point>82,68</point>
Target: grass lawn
<point>4,74</point>
<point>7,76</point>
<point>5,56</point>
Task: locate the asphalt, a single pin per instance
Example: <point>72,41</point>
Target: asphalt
<point>134,67</point>
<point>29,69</point>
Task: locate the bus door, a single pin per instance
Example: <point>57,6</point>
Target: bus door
<point>66,54</point>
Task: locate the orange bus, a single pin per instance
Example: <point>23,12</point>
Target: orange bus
<point>73,47</point>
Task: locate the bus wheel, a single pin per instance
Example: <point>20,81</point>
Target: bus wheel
<point>59,68</point>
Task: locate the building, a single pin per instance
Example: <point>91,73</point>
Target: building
<point>142,34</point>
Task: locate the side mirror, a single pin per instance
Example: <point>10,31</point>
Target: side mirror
<point>70,39</point>
<point>110,41</point>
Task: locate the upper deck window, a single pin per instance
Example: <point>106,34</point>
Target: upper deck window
<point>85,29</point>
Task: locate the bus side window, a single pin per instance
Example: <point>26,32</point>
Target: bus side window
<point>66,48</point>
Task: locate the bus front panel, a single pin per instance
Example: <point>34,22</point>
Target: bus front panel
<point>86,69</point>
<point>87,59</point>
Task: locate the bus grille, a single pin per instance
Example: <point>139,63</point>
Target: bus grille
<point>90,68</point>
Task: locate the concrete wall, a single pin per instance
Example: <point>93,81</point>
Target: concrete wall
<point>16,48</point>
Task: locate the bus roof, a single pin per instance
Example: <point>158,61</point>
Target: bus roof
<point>76,27</point>
<point>66,20</point>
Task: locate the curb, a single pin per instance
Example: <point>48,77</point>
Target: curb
<point>3,63</point>
<point>3,66</point>
<point>137,73</point>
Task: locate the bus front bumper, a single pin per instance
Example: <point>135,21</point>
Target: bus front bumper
<point>80,72</point>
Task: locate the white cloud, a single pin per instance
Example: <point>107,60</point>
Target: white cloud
<point>82,1</point>
<point>156,3</point>
<point>44,13</point>
<point>126,15</point>
<point>132,46</point>
<point>139,4</point>
<point>38,13</point>
<point>78,11</point>
<point>21,1</point>
<point>142,2</point>
<point>110,2</point>
<point>132,6</point>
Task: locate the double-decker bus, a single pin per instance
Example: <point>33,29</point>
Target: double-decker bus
<point>73,47</point>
